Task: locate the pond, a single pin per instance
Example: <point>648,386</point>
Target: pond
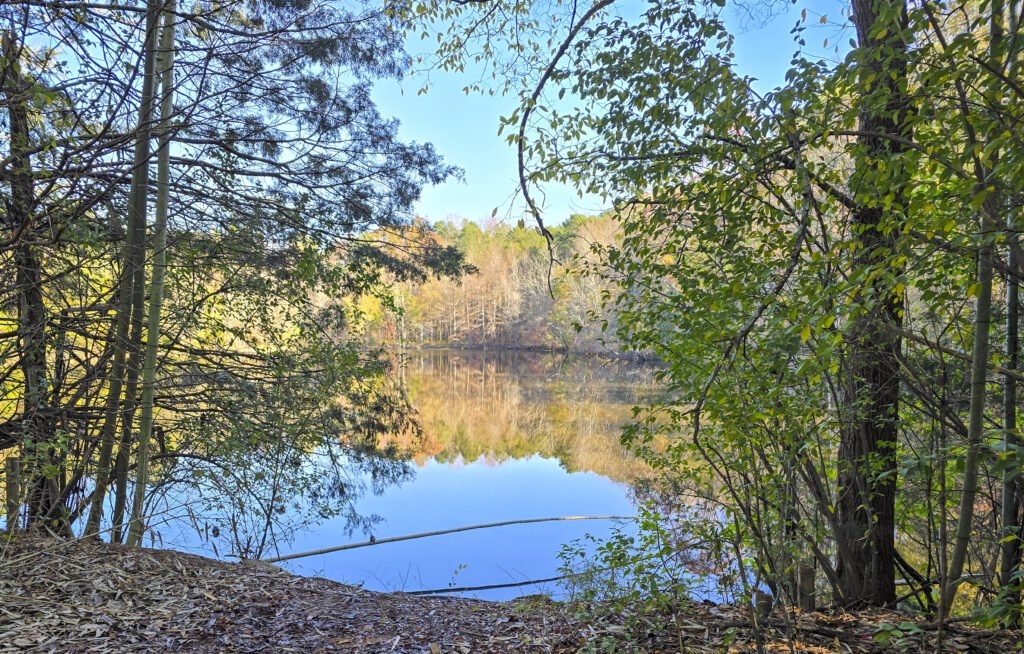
<point>506,436</point>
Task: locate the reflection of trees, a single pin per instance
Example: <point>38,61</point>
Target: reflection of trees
<point>513,405</point>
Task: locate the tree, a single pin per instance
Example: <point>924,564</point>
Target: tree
<point>801,259</point>
<point>868,442</point>
<point>130,293</point>
<point>156,295</point>
<point>278,182</point>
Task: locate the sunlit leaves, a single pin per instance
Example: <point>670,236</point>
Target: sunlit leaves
<point>740,264</point>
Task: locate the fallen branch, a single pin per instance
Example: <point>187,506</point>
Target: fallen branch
<point>381,541</point>
<point>467,589</point>
<point>464,589</point>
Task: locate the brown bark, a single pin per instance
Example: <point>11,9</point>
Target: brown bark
<point>867,449</point>
<point>28,278</point>
<point>131,260</point>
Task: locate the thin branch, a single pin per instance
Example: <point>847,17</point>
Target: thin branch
<point>530,104</point>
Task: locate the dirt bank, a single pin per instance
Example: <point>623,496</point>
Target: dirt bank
<point>58,596</point>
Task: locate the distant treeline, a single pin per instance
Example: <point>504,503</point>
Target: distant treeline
<point>508,302</point>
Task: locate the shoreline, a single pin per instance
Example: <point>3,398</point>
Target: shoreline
<point>86,596</point>
<point>613,355</point>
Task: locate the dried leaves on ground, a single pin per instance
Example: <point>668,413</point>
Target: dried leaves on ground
<point>716,629</point>
<point>91,597</point>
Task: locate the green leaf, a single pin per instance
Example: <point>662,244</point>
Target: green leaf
<point>978,198</point>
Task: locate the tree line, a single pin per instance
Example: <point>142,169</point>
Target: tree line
<point>508,405</point>
<point>517,294</point>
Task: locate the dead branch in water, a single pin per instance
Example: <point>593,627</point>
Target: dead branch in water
<point>381,541</point>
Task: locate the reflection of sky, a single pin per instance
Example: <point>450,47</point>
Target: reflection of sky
<point>445,496</point>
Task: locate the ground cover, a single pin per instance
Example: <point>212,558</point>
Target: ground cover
<point>60,596</point>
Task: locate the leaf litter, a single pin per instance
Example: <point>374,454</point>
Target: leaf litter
<point>85,596</point>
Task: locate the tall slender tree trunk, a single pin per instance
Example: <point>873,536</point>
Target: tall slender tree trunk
<point>156,295</point>
<point>28,278</point>
<point>132,251</point>
<point>1010,556</point>
<point>975,425</point>
<point>980,352</point>
<point>131,387</point>
<point>867,448</point>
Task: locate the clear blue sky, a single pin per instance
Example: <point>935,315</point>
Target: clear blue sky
<point>464,129</point>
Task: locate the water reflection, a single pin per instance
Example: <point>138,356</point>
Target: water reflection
<point>512,405</point>
<point>447,495</point>
<point>505,436</point>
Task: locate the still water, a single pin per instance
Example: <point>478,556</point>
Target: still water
<point>506,436</point>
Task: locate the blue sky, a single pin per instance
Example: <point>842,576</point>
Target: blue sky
<point>464,129</point>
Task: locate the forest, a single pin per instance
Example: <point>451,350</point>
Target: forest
<point>212,266</point>
<point>518,295</point>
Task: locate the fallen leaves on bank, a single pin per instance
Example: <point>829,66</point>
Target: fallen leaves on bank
<point>709,628</point>
<point>92,597</point>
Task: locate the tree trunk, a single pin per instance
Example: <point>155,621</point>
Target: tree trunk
<point>134,243</point>
<point>1010,556</point>
<point>980,353</point>
<point>131,387</point>
<point>975,425</point>
<point>28,278</point>
<point>156,295</point>
<point>867,448</point>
